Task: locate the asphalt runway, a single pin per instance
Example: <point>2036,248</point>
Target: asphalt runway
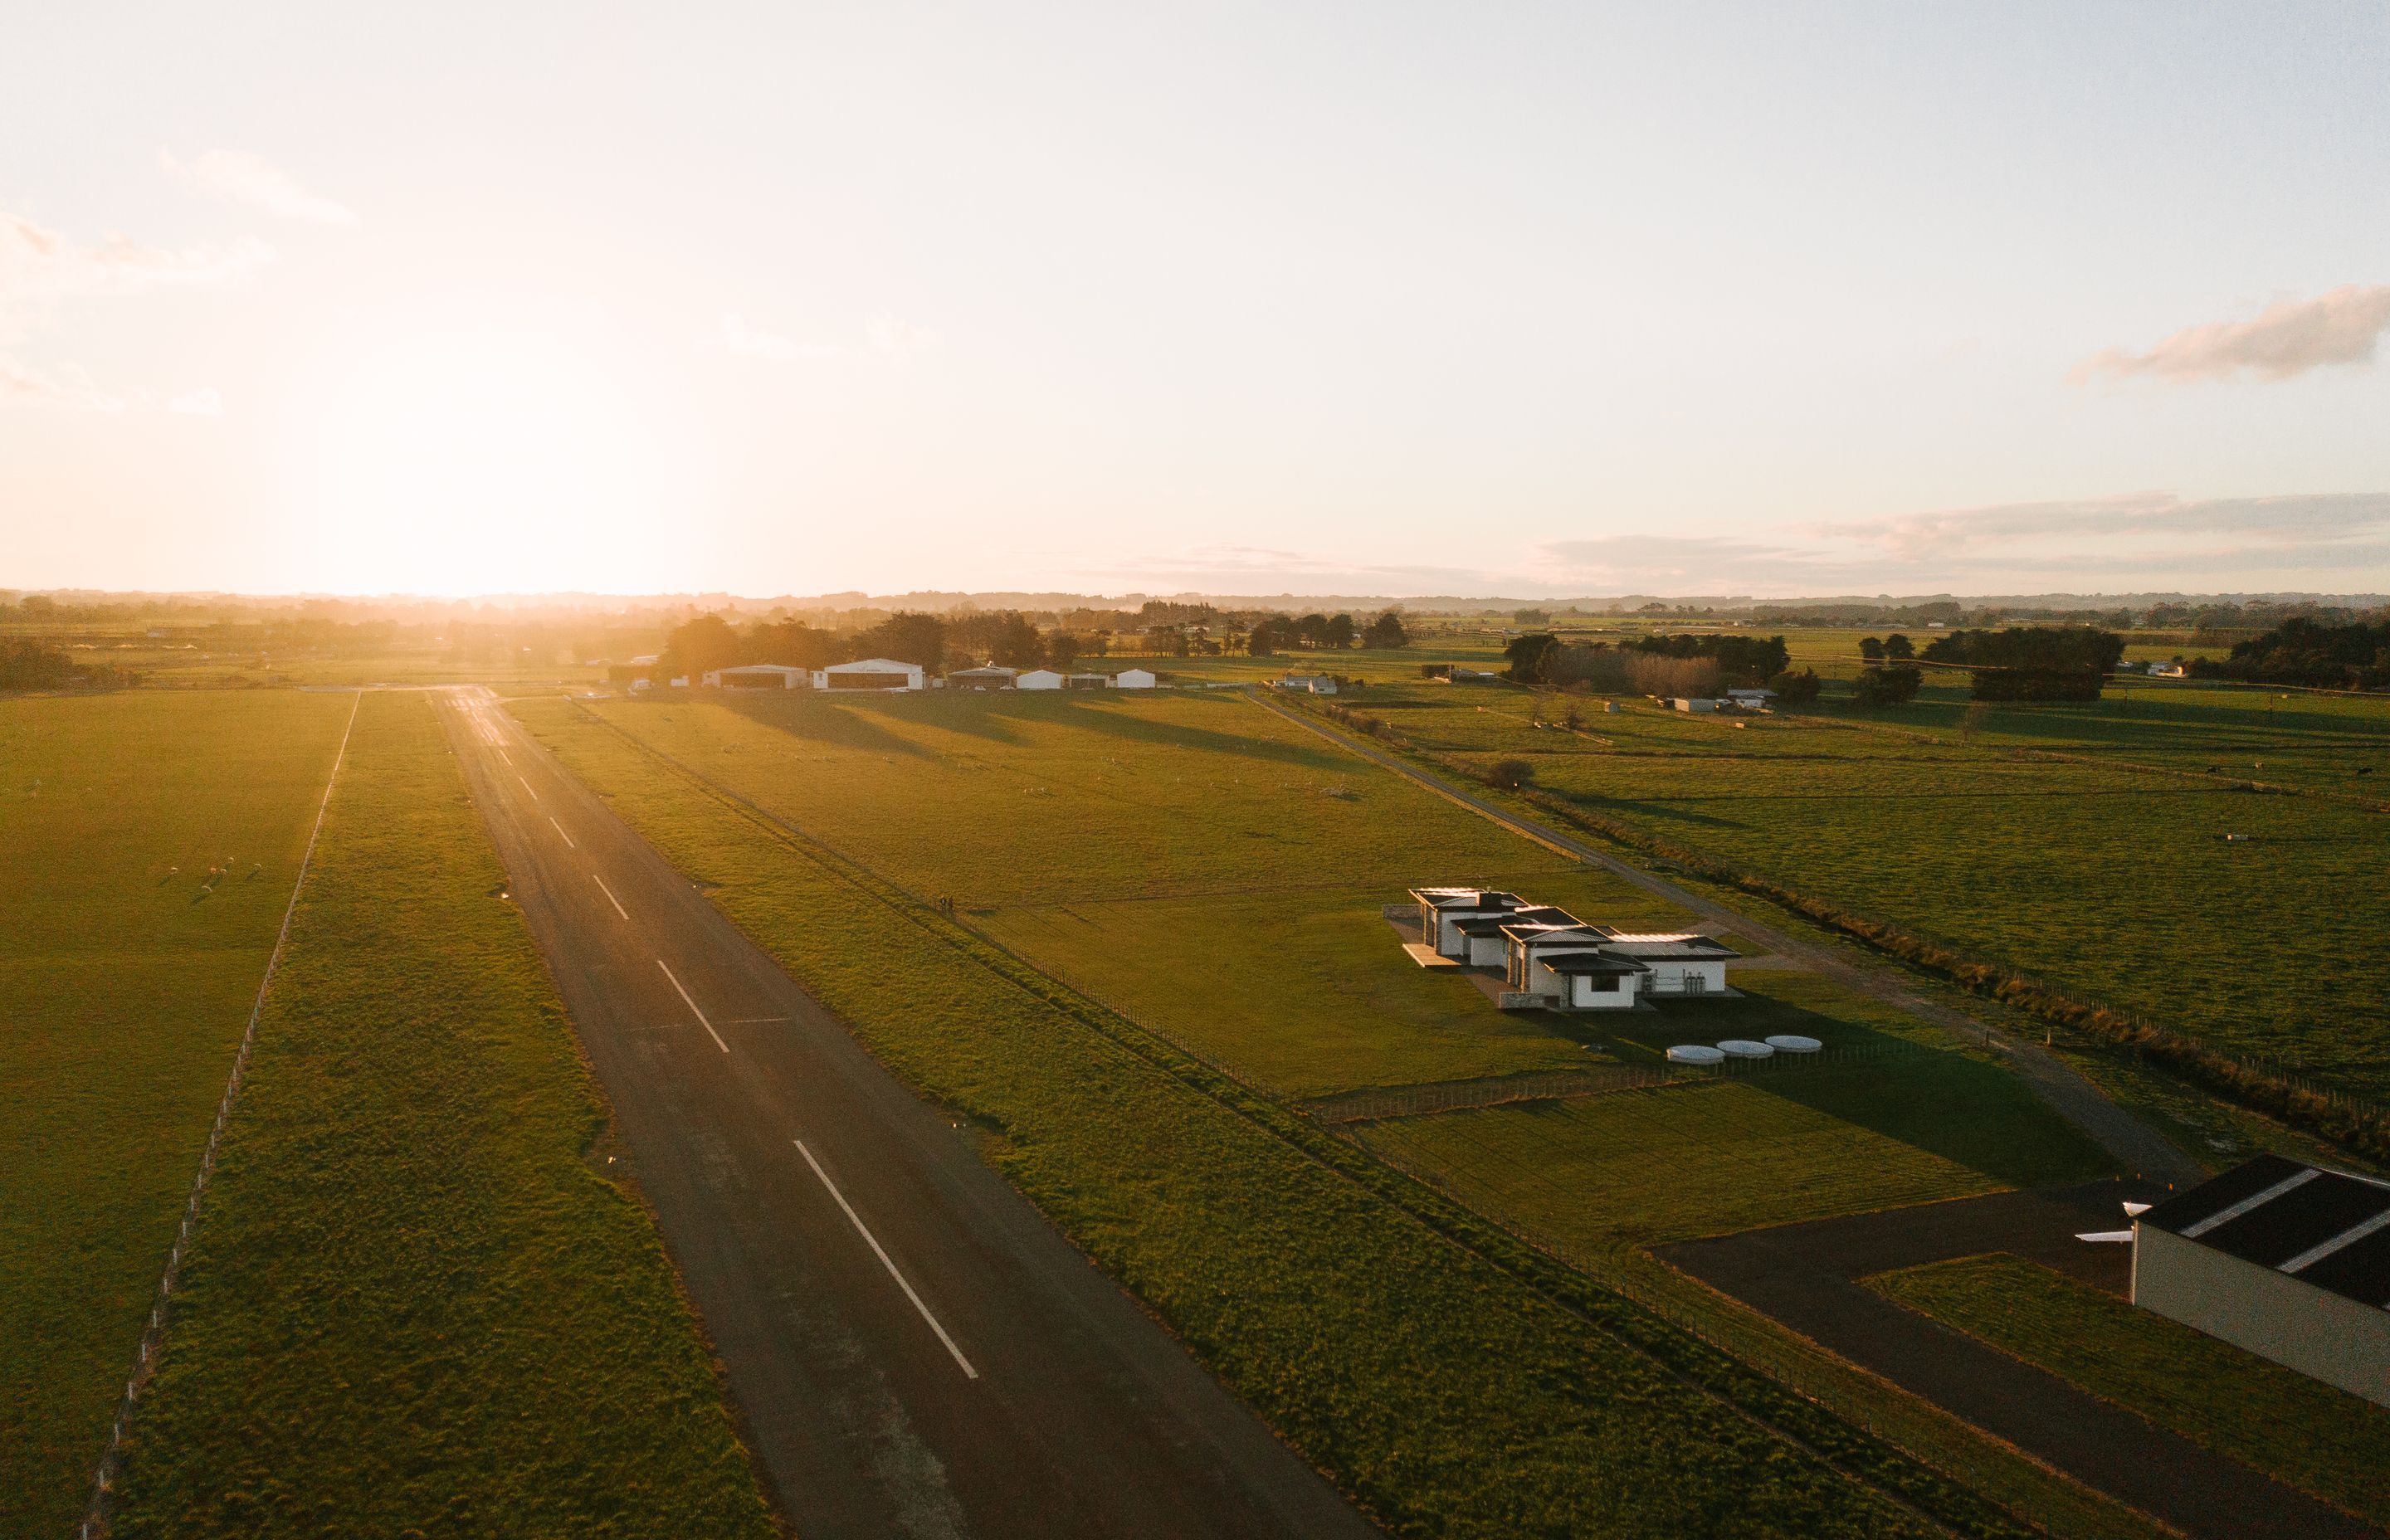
<point>912,1348</point>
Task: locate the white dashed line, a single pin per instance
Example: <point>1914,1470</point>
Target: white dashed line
<point>692,1006</point>
<point>610,895</point>
<point>880,1251</point>
<point>559,828</point>
<point>534,796</point>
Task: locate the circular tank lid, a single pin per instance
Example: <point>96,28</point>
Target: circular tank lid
<point>1793,1041</point>
<point>1743,1048</point>
<point>1694,1053</point>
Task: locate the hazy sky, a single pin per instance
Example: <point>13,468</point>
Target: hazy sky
<point>1377,297</point>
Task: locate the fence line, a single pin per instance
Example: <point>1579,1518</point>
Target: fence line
<point>153,1333</point>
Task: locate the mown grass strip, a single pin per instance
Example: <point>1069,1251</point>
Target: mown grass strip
<point>1454,1378</point>
<point>412,1306</point>
<point>2321,1439</point>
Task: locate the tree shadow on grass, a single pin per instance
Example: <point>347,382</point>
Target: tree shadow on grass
<point>813,720</point>
<point>1968,1111</point>
<point>1112,722</point>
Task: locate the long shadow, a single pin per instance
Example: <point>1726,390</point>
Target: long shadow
<point>813,719</point>
<point>1094,718</point>
<point>1967,1111</point>
<point>1652,812</point>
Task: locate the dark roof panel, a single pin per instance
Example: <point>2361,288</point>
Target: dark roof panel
<point>2214,1195</point>
<point>1593,963</point>
<point>2306,1215</point>
<point>2359,1270</point>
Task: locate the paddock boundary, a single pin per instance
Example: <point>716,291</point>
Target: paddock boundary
<point>153,1334</point>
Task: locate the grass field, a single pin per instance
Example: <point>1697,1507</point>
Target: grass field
<point>1214,868</point>
<point>130,972</point>
<point>2324,1441</point>
<point>2096,873</point>
<point>1637,1168</point>
<point>412,1306</point>
<point>1448,1393</point>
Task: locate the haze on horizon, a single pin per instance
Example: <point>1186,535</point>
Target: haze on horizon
<point>1533,301</point>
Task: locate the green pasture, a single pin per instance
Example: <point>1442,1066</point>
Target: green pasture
<point>1192,859</point>
<point>2094,871</point>
<point>1783,1143</point>
<point>2299,1430</point>
<point>412,1306</point>
<point>148,846</point>
<point>1446,1393</point>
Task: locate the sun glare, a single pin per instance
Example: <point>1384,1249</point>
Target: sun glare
<point>480,462</point>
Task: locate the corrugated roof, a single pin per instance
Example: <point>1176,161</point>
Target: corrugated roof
<point>2330,1228</point>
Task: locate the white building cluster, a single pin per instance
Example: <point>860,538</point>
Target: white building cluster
<point>1552,960</point>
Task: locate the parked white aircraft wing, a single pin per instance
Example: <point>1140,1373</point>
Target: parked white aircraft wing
<point>2114,1237</point>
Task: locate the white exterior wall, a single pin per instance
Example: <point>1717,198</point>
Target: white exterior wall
<point>1667,975</point>
<point>1487,951</point>
<point>2321,1334</point>
<point>1584,996</point>
<point>1133,679</point>
<point>1038,679</point>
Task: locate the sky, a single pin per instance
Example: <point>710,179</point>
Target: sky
<point>1462,299</point>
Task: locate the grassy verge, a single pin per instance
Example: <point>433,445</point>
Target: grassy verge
<point>411,1306</point>
<point>1454,1379</point>
<point>2301,1430</point>
<point>148,844</point>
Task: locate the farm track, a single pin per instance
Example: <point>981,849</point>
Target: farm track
<point>2134,1146</point>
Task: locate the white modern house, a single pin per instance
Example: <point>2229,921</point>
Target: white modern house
<point>1681,962</point>
<point>869,673</point>
<point>1443,909</point>
<point>2288,1261</point>
<point>1134,680</point>
<point>1038,679</point>
<point>1568,966</point>
<point>759,676</point>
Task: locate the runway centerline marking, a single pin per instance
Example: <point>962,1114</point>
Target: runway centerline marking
<point>504,755</point>
<point>559,828</point>
<point>692,1004</point>
<point>534,796</point>
<point>610,895</point>
<point>881,1252</point>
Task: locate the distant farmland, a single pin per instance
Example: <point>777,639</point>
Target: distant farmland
<point>2097,871</point>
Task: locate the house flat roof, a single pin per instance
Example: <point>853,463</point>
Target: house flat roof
<point>1594,963</point>
<point>1677,945</point>
<point>2328,1228</point>
<point>1469,898</point>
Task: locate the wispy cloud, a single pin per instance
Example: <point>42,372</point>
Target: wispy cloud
<point>2238,524</point>
<point>37,263</point>
<point>883,337</point>
<point>2284,340</point>
<point>239,177</point>
<point>22,385</point>
<point>204,403</point>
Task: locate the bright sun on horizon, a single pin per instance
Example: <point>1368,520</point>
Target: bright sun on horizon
<point>478,461</point>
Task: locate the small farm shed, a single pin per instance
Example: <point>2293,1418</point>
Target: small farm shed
<point>759,676</point>
<point>993,677</point>
<point>1039,679</point>
<point>1134,680</point>
<point>2288,1261</point>
<point>1317,684</point>
<point>1752,701</point>
<point>1681,962</point>
<point>1087,681</point>
<point>868,673</point>
<point>1693,704</point>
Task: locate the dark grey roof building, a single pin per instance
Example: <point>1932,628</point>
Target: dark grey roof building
<point>2289,1261</point>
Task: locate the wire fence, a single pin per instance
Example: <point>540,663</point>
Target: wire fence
<point>153,1331</point>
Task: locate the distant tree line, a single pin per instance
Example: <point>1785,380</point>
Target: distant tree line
<point>2304,651</point>
<point>1687,663</point>
<point>1270,634</point>
<point>26,665</point>
<point>2032,662</point>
